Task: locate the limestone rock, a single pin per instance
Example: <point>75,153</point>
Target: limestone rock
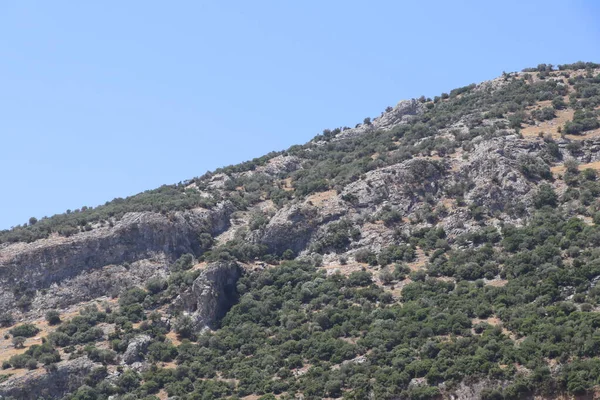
<point>136,349</point>
<point>137,236</point>
<point>290,228</point>
<point>400,114</point>
<point>35,384</point>
<point>212,294</point>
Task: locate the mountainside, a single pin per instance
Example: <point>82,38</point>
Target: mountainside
<point>445,249</point>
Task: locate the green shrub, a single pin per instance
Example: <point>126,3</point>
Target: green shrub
<point>545,196</point>
<point>53,317</point>
<point>18,342</point>
<point>156,285</point>
<point>544,114</point>
<point>25,330</point>
<point>132,296</point>
<point>6,319</point>
<point>366,256</point>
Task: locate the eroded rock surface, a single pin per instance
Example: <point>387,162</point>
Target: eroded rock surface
<point>137,236</point>
<point>34,385</point>
<point>212,294</point>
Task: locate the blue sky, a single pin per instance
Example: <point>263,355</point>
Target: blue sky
<point>106,99</point>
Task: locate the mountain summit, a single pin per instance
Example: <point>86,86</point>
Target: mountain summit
<point>444,249</point>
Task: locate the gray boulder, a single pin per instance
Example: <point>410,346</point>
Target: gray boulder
<point>67,376</point>
<point>136,349</point>
<point>212,294</point>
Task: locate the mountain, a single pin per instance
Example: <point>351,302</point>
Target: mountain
<point>444,249</point>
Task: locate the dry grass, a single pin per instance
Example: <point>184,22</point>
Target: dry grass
<point>396,288</point>
<point>287,185</point>
<point>318,199</point>
<point>586,135</point>
<point>560,169</point>
<point>549,127</point>
<point>172,336</point>
<point>593,165</point>
<point>201,265</point>
<point>420,261</point>
<point>497,282</point>
<point>344,269</point>
<point>495,321</point>
<point>7,349</point>
<point>168,365</point>
<point>449,204</point>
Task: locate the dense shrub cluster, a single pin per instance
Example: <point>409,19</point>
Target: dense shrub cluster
<point>353,338</point>
<point>294,317</point>
<point>338,237</point>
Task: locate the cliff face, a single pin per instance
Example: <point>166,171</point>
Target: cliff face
<point>34,385</point>
<point>212,294</point>
<point>135,237</point>
<point>393,116</point>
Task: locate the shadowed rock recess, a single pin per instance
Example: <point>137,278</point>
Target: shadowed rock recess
<point>445,249</point>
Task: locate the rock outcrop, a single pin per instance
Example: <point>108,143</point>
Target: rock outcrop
<point>34,385</point>
<point>136,349</point>
<point>400,184</point>
<point>110,280</point>
<point>400,114</point>
<point>494,173</point>
<point>137,236</point>
<point>290,228</point>
<point>212,294</point>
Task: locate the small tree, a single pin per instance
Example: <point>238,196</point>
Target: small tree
<point>206,241</point>
<point>545,197</point>
<point>156,285</point>
<point>184,326</point>
<point>590,174</point>
<point>18,342</point>
<point>572,166</point>
<point>288,254</point>
<point>25,330</point>
<point>558,103</point>
<point>6,319</point>
<point>386,277</point>
<point>53,317</point>
<point>32,363</point>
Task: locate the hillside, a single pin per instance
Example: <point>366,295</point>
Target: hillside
<point>444,249</point>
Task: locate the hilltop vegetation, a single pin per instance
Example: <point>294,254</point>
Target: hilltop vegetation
<point>331,163</point>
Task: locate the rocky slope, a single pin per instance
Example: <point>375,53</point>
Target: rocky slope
<point>465,162</point>
<point>47,263</point>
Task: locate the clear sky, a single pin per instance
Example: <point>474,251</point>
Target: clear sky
<point>106,99</point>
